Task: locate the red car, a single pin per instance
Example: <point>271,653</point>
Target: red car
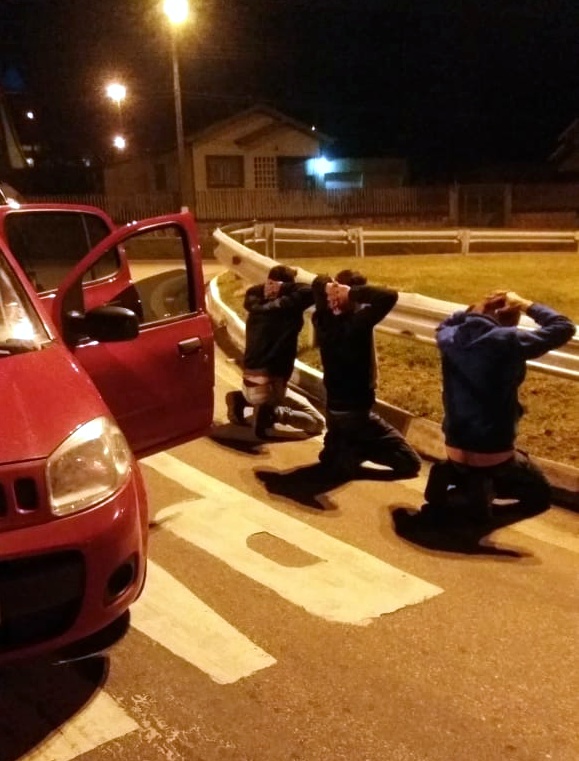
<point>109,365</point>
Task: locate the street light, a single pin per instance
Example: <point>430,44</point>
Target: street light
<point>119,142</point>
<point>117,93</point>
<point>177,12</point>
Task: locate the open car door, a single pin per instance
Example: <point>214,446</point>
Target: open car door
<point>159,384</point>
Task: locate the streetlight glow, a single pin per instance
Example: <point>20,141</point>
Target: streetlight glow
<point>176,10</point>
<point>116,92</point>
<point>119,142</point>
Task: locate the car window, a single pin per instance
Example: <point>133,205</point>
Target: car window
<point>20,326</point>
<point>161,287</point>
<point>48,244</point>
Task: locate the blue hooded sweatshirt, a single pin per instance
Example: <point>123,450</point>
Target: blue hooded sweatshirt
<point>483,365</point>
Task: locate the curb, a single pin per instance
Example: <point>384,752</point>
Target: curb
<point>424,435</point>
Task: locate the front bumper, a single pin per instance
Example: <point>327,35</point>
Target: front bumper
<point>63,580</point>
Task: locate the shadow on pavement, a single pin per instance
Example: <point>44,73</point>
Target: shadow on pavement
<point>37,698</point>
<point>464,538</point>
<point>309,484</point>
<point>242,438</point>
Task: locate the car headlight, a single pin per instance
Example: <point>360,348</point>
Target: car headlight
<point>89,466</point>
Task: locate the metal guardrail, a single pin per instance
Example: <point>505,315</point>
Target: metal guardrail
<point>414,315</point>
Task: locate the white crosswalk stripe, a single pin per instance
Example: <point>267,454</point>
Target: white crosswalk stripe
<point>539,528</point>
<point>341,584</point>
<point>172,615</point>
<point>99,722</point>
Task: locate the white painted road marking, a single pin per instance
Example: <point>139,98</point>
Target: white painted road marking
<point>345,584</point>
<point>539,528</point>
<point>178,620</point>
<point>99,722</point>
<point>169,613</point>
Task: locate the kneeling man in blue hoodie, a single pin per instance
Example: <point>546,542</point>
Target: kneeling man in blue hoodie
<point>484,354</point>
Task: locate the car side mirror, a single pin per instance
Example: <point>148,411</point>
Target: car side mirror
<point>104,324</point>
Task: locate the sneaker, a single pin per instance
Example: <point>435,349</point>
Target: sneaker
<point>263,418</point>
<point>235,402</point>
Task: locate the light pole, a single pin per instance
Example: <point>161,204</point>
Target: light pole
<point>177,12</point>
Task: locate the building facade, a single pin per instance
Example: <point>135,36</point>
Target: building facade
<point>257,149</point>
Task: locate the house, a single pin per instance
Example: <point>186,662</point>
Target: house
<point>256,149</point>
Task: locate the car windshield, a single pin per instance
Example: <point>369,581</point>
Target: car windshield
<point>21,329</point>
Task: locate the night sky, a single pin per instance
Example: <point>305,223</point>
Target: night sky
<point>447,84</point>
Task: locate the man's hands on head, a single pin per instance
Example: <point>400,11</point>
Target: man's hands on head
<point>514,301</point>
<point>338,296</point>
<point>511,300</point>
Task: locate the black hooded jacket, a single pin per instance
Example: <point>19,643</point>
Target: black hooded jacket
<point>346,343</point>
<point>273,326</point>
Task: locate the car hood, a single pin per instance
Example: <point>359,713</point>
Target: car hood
<point>45,395</point>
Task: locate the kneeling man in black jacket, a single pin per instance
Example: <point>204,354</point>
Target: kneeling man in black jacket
<point>274,319</point>
<point>347,309</point>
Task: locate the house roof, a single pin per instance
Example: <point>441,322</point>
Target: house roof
<point>278,121</point>
<point>565,143</point>
<point>570,130</point>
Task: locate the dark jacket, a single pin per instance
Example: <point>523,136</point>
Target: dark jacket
<point>273,326</point>
<point>346,344</point>
<point>483,364</point>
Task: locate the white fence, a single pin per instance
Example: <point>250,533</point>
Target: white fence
<point>480,205</point>
<point>360,238</point>
<point>414,316</point>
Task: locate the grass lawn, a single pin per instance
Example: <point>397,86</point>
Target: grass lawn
<point>410,371</point>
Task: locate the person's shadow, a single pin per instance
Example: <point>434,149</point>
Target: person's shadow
<point>241,438</point>
<point>309,485</point>
<point>461,536</point>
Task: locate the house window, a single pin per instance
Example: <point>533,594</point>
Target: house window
<point>224,171</point>
<point>160,177</point>
<point>265,169</point>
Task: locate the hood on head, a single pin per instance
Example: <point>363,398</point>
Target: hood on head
<point>472,327</point>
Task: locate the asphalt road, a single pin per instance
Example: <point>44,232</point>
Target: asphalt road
<point>286,619</point>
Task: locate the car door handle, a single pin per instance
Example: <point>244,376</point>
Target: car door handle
<point>189,346</point>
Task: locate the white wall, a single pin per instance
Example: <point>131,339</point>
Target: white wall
<point>285,142</point>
